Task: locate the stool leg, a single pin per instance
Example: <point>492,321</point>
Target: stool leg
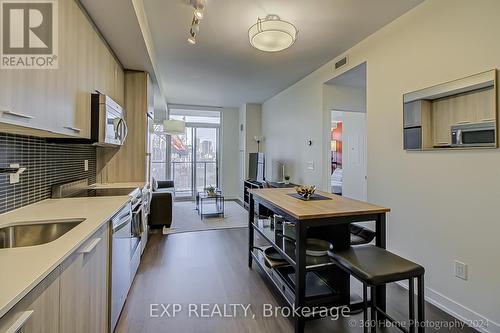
<point>365,308</point>
<point>421,304</point>
<point>373,315</point>
<point>411,311</point>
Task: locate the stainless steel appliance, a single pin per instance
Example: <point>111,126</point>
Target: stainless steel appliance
<point>108,126</point>
<point>120,262</point>
<point>481,134</point>
<point>146,208</point>
<point>137,229</point>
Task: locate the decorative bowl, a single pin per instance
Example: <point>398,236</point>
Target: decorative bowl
<point>305,191</point>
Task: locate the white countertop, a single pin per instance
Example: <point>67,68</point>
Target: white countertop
<point>119,185</point>
<point>24,267</point>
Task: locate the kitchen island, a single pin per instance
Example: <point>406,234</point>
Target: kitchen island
<point>327,219</point>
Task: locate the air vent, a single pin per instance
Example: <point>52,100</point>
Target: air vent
<point>341,63</point>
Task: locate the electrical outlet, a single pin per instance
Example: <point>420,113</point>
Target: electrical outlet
<point>86,165</point>
<point>460,270</point>
<point>310,165</point>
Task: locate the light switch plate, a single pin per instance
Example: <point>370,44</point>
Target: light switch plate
<point>460,270</point>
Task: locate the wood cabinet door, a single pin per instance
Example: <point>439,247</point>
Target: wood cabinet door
<point>484,105</point>
<point>38,311</point>
<point>83,281</point>
<point>441,122</point>
<point>58,100</point>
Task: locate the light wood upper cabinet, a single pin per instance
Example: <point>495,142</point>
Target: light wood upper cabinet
<point>84,286</point>
<point>441,122</point>
<point>38,311</point>
<point>57,101</point>
<point>135,152</point>
<point>484,105</point>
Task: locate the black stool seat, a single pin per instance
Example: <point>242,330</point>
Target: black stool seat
<point>376,266</point>
<point>360,235</point>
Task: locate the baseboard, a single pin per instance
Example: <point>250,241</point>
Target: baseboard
<point>458,310</point>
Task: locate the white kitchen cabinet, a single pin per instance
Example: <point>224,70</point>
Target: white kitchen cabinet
<point>84,286</point>
<point>56,102</point>
<point>38,311</point>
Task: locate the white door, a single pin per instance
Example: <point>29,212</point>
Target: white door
<point>354,155</point>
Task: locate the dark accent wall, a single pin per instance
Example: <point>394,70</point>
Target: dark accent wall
<point>46,164</point>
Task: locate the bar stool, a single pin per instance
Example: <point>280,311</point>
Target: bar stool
<point>373,267</point>
<point>360,235</point>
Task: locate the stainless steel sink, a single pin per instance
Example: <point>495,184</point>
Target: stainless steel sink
<point>35,232</point>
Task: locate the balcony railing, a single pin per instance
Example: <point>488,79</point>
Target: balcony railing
<point>182,173</point>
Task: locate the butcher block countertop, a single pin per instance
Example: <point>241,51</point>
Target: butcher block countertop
<point>315,209</point>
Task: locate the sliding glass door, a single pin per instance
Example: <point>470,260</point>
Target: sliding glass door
<point>206,161</point>
<point>194,160</point>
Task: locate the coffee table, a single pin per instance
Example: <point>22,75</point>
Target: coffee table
<point>210,205</point>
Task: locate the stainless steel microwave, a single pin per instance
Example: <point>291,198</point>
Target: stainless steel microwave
<point>481,134</point>
<point>108,127</point>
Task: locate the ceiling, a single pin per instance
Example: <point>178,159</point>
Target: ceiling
<point>222,69</point>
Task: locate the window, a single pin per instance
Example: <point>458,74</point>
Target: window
<point>191,159</point>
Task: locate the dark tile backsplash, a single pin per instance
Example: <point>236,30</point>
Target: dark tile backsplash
<point>46,164</point>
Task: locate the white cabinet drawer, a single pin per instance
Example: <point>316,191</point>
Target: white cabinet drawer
<point>38,311</point>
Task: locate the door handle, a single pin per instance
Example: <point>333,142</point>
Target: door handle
<point>74,129</point>
<point>90,247</point>
<point>125,131</point>
<point>17,114</point>
<point>20,322</point>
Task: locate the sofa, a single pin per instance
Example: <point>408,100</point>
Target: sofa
<point>161,204</point>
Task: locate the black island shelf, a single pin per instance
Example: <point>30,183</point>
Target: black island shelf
<point>323,219</point>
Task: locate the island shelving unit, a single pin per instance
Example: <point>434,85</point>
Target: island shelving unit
<point>324,219</point>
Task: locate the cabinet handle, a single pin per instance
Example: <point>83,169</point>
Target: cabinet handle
<point>442,143</point>
<point>20,322</point>
<point>488,119</point>
<point>91,246</point>
<point>74,129</point>
<point>463,122</point>
<point>16,114</point>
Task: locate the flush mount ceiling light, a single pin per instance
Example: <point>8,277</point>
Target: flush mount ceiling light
<point>272,34</point>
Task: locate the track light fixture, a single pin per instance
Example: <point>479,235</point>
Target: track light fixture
<point>199,7</point>
<point>193,31</point>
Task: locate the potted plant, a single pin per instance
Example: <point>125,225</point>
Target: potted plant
<point>210,190</point>
<point>287,179</point>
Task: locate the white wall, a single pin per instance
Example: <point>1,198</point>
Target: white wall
<point>433,221</point>
<point>249,127</point>
<point>229,178</point>
<point>344,98</point>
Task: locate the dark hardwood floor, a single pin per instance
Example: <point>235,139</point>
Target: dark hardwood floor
<point>210,267</point>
